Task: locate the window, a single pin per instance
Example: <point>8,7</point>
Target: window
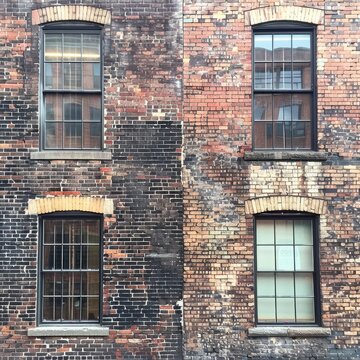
<point>283,87</point>
<point>70,269</point>
<point>286,270</point>
<point>71,88</point>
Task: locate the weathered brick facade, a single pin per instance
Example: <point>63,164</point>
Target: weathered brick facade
<point>177,183</point>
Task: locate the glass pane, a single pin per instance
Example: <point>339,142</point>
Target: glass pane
<point>263,135</point>
<point>92,108</point>
<point>72,76</point>
<point>92,135</point>
<point>48,257</point>
<point>91,47</point>
<point>91,231</point>
<point>265,285</point>
<point>72,47</point>
<point>282,76</point>
<point>282,107</point>
<point>282,135</point>
<point>282,47</point>
<point>72,107</point>
<point>48,309</point>
<point>48,284</point>
<point>265,231</point>
<point>285,285</point>
<point>284,231</point>
<point>53,47</point>
<point>303,232</point>
<point>285,310</point>
<point>71,257</point>
<point>73,135</point>
<point>304,285</point>
<point>72,232</point>
<point>301,76</point>
<point>304,258</point>
<point>301,105</point>
<point>263,107</point>
<point>284,258</point>
<point>263,76</point>
<point>58,256</point>
<point>53,76</point>
<point>90,309</point>
<point>72,284</point>
<point>49,235</point>
<point>53,135</point>
<point>265,258</point>
<point>263,47</point>
<point>71,308</point>
<point>301,47</point>
<point>305,310</point>
<point>58,308</point>
<point>91,76</point>
<point>90,257</point>
<point>266,310</point>
<point>301,135</point>
<point>53,107</point>
<point>58,283</point>
<point>90,283</point>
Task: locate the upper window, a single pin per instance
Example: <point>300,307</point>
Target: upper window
<point>286,270</point>
<point>283,88</point>
<point>70,286</point>
<point>71,88</point>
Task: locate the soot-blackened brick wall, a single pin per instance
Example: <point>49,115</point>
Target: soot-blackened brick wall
<point>142,261</point>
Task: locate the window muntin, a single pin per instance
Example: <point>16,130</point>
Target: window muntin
<point>72,89</point>
<point>283,89</point>
<point>286,279</point>
<point>70,270</point>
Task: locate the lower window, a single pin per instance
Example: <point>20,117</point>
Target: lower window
<point>70,278</point>
<point>286,270</point>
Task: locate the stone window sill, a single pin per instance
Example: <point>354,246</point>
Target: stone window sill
<point>66,331</point>
<point>70,155</point>
<point>285,156</point>
<point>289,331</point>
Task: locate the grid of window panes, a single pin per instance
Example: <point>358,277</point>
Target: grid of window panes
<point>70,270</point>
<point>72,90</point>
<point>283,90</point>
<point>285,271</point>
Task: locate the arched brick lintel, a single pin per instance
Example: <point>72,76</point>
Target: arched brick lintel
<point>71,13</point>
<point>284,13</point>
<point>70,203</point>
<point>285,203</point>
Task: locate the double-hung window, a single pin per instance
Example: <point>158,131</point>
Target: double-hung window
<point>71,86</point>
<point>283,87</point>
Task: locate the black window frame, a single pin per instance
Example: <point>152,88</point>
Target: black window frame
<point>316,261</point>
<point>70,215</point>
<point>62,28</point>
<point>287,27</point>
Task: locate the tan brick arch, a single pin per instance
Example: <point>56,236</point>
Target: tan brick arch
<point>71,13</point>
<point>70,203</point>
<point>284,13</point>
<point>285,203</point>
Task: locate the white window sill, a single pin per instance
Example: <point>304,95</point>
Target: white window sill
<point>70,155</point>
<point>283,155</point>
<point>67,331</point>
<point>289,331</point>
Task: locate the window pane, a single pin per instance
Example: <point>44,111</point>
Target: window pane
<point>282,107</point>
<point>304,258</point>
<point>301,47</point>
<point>263,107</point>
<point>282,76</point>
<point>73,135</point>
<point>263,47</point>
<point>53,76</point>
<point>90,309</point>
<point>284,231</point>
<point>48,309</point>
<point>303,232</point>
<point>282,47</point>
<point>285,285</point>
<point>305,311</point>
<point>265,258</point>
<point>91,108</point>
<point>301,135</point>
<point>58,283</point>
<point>92,135</point>
<point>53,47</point>
<point>49,235</point>
<point>265,285</point>
<point>284,258</point>
<point>266,310</point>
<point>58,308</point>
<point>263,76</point>
<point>91,76</point>
<point>90,257</point>
<point>72,76</point>
<point>285,310</point>
<point>91,231</point>
<point>48,284</point>
<point>71,308</point>
<point>72,232</point>
<point>301,76</point>
<point>48,256</point>
<point>58,257</point>
<point>72,108</point>
<point>72,284</point>
<point>90,283</point>
<point>301,104</point>
<point>282,135</point>
<point>265,231</point>
<point>71,257</point>
<point>72,47</point>
<point>91,47</point>
<point>53,107</point>
<point>304,285</point>
<point>263,132</point>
